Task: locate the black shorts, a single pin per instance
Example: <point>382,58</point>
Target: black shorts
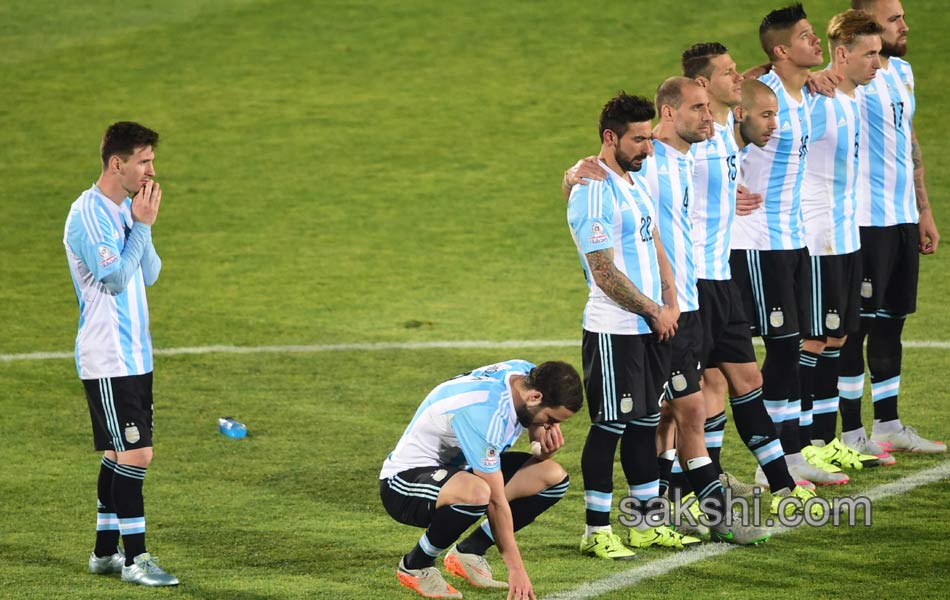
<point>624,375</point>
<point>776,290</point>
<point>836,305</point>
<point>410,496</point>
<point>727,332</point>
<point>891,263</point>
<point>686,369</point>
<point>121,411</point>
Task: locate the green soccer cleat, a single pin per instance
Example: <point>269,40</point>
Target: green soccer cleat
<point>816,458</point>
<point>815,509</point>
<point>606,544</point>
<point>144,570</point>
<point>842,456</point>
<point>660,536</point>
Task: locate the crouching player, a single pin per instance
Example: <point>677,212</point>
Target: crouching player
<point>451,467</point>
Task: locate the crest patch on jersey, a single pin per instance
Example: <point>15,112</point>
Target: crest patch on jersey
<point>597,235</point>
<point>679,382</point>
<point>490,460</point>
<point>132,434</point>
<point>106,257</point>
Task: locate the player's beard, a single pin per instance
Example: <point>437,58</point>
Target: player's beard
<point>626,163</point>
<point>896,50</point>
<point>525,416</point>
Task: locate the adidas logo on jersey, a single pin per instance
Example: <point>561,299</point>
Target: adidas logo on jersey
<point>663,170</point>
<point>842,122</point>
<point>786,126</point>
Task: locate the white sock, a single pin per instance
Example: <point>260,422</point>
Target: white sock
<point>592,529</point>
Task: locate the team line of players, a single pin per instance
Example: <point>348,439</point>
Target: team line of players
<point>753,207</point>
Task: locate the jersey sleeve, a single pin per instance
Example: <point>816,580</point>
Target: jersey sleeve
<point>98,246</point>
<point>471,430</point>
<point>590,214</point>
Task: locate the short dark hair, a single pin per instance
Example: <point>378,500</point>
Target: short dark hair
<point>776,27</point>
<point>559,384</point>
<point>622,110</point>
<point>697,59</point>
<point>123,138</point>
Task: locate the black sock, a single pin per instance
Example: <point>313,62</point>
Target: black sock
<point>825,406</point>
<point>779,379</point>
<point>107,524</point>
<point>713,430</point>
<point>638,459</point>
<point>807,363</point>
<point>597,468</point>
<point>884,364</point>
<point>705,480</point>
<point>851,377</point>
<point>130,508</point>
<point>757,431</point>
<point>523,512</point>
<point>447,524</point>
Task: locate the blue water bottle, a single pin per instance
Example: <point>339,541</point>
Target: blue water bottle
<point>232,428</point>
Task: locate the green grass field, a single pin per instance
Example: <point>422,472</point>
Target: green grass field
<point>366,172</point>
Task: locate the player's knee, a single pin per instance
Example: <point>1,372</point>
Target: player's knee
<point>553,473</point>
<point>749,379</point>
<point>140,457</point>
<point>477,492</point>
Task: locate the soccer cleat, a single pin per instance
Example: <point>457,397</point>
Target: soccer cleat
<point>684,527</point>
<point>660,536</point>
<point>762,481</point>
<point>807,471</point>
<point>473,568</point>
<point>739,534</point>
<point>427,582</point>
<point>838,454</point>
<point>859,442</point>
<point>144,570</point>
<point>107,564</point>
<point>739,488</point>
<point>606,544</point>
<point>815,509</point>
<point>816,458</point>
<point>908,440</point>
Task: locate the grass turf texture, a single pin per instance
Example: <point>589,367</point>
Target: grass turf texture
<point>362,172</point>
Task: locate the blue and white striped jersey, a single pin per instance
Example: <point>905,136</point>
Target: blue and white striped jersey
<point>713,205</point>
<point>668,176</point>
<point>466,421</point>
<point>829,202</point>
<point>776,171</point>
<point>617,214</point>
<point>886,194</point>
<point>101,240</point>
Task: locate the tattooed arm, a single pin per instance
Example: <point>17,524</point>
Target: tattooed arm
<point>929,236</point>
<point>621,290</point>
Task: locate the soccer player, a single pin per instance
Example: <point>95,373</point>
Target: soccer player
<point>829,207</point>
<point>685,119</point>
<point>108,240</point>
<point>451,466</point>
<point>897,225</point>
<point>630,316</point>
<point>727,341</point>
<point>769,260</point>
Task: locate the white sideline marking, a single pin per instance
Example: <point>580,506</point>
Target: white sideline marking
<point>687,557</point>
<point>377,346</point>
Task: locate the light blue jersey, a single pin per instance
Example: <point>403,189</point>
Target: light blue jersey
<point>713,205</point>
<point>886,194</point>
<point>668,176</point>
<point>776,171</point>
<point>619,215</point>
<point>467,421</point>
<point>111,260</point>
<point>829,202</point>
